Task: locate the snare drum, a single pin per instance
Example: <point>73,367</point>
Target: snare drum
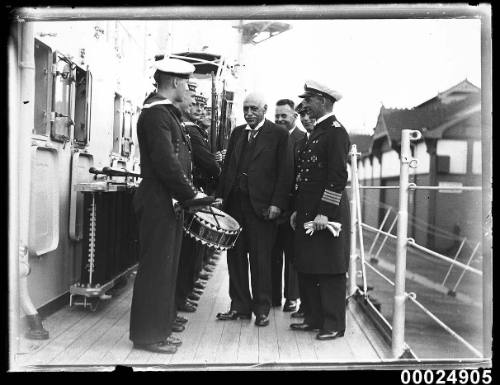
<point>212,227</point>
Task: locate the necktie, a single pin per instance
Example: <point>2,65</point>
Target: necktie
<point>251,137</point>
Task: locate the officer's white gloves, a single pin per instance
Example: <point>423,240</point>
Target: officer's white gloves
<point>321,222</point>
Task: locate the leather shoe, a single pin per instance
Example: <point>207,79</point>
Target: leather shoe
<point>204,276</point>
<point>159,347</point>
<point>187,307</point>
<point>192,303</point>
<point>297,314</point>
<point>199,285</point>
<point>262,320</point>
<point>290,305</point>
<point>180,320</point>
<point>178,328</point>
<point>197,290</point>
<point>303,327</point>
<point>194,297</point>
<point>233,315</point>
<point>277,303</point>
<point>329,335</point>
<point>171,340</point>
<point>209,269</point>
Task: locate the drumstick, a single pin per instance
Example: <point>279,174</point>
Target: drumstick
<point>210,212</point>
<point>216,220</point>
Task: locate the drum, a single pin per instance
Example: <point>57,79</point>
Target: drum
<point>212,227</point>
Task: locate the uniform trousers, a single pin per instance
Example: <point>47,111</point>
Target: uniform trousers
<point>284,245</point>
<point>326,298</point>
<point>187,269</point>
<point>153,308</point>
<point>254,245</point>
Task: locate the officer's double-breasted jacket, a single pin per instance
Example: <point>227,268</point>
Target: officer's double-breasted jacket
<point>320,180</point>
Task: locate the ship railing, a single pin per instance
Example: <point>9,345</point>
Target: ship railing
<point>397,328</point>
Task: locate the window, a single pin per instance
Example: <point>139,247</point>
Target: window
<point>83,101</point>
<point>43,88</point>
<point>61,105</point>
<point>117,123</point>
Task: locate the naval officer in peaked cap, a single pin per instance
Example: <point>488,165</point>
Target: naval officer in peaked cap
<point>165,166</point>
<point>321,259</point>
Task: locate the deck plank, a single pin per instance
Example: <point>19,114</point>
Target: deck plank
<point>287,341</point>
<point>85,340</point>
<point>58,344</point>
<point>268,342</point>
<point>102,338</point>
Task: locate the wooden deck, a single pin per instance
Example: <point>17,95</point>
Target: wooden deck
<point>81,339</point>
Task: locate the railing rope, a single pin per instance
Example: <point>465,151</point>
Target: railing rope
<point>454,259</point>
<point>468,263</point>
<point>378,232</point>
<point>444,326</point>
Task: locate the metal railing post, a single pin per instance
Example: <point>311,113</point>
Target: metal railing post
<point>380,228</point>
<point>468,264</point>
<point>454,259</point>
<point>353,256</point>
<point>398,320</point>
<point>359,221</point>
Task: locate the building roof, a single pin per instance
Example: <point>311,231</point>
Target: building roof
<point>429,115</point>
<point>362,142</point>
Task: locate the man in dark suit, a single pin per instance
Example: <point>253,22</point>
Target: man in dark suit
<point>322,259</point>
<point>255,184</point>
<point>165,166</point>
<point>286,117</point>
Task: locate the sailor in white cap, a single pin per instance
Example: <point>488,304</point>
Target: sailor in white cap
<point>165,170</point>
<point>321,259</point>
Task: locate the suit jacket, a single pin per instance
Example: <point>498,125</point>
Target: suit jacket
<point>270,174</point>
<point>320,189</point>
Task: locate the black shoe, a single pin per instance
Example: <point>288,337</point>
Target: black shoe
<point>192,303</point>
<point>194,297</point>
<point>204,276</point>
<point>170,340</point>
<point>298,314</point>
<point>303,327</point>
<point>209,269</point>
<point>276,303</point>
<point>187,307</point>
<point>290,305</point>
<point>197,291</point>
<point>329,335</point>
<point>180,320</point>
<point>262,320</point>
<point>178,328</point>
<point>233,315</point>
<point>199,285</point>
<point>160,347</point>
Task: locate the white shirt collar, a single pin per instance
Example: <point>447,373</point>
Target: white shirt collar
<point>291,130</point>
<point>324,117</point>
<point>256,129</point>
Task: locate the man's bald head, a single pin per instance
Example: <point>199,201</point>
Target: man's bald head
<point>256,98</point>
<point>254,108</point>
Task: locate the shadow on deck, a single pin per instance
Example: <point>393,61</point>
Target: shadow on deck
<point>85,340</point>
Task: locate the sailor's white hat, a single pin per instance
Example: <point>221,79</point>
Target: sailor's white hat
<point>312,87</point>
<point>175,67</point>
